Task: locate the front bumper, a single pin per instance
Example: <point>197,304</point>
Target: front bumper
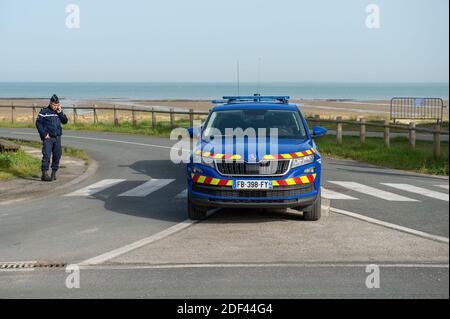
<point>246,203</point>
<point>292,190</point>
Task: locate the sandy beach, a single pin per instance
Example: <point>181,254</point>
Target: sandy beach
<point>329,109</point>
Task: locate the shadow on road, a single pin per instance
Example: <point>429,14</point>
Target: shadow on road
<point>163,203</point>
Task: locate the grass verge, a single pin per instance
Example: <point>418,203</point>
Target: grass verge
<point>23,165</point>
<point>356,128</point>
<point>398,156</point>
<point>162,129</point>
<point>18,164</point>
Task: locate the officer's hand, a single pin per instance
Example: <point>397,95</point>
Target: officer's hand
<point>47,137</point>
<point>58,109</point>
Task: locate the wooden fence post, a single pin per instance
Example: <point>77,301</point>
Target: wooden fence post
<point>362,130</point>
<point>386,134</point>
<point>437,142</point>
<point>13,113</point>
<point>133,117</point>
<point>116,119</point>
<point>95,114</point>
<point>338,130</point>
<point>171,115</point>
<point>316,119</point>
<point>33,112</point>
<point>75,114</point>
<point>412,135</point>
<point>191,117</point>
<point>153,118</point>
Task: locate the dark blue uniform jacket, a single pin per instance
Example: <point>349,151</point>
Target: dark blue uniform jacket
<point>49,122</point>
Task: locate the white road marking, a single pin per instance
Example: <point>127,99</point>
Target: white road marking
<point>264,265</point>
<point>145,241</point>
<point>182,194</point>
<point>109,140</point>
<point>442,186</point>
<point>329,194</point>
<point>419,190</point>
<point>102,139</point>
<point>147,188</point>
<point>96,187</point>
<point>391,226</point>
<point>140,243</point>
<point>361,188</point>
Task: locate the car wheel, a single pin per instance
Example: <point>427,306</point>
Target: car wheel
<point>196,212</point>
<point>313,212</point>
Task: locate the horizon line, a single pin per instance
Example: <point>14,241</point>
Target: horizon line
<point>229,82</point>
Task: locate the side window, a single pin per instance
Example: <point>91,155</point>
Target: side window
<point>300,124</point>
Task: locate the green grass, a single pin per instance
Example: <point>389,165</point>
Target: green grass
<point>398,156</point>
<point>162,129</point>
<point>23,165</point>
<point>66,151</point>
<point>355,127</point>
<point>18,164</point>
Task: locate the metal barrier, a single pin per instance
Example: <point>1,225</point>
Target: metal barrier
<point>417,109</point>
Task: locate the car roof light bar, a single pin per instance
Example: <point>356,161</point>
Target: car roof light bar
<point>253,98</point>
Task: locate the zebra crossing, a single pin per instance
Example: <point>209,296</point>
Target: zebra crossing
<point>382,191</point>
<point>96,187</point>
<point>147,188</point>
<point>361,188</point>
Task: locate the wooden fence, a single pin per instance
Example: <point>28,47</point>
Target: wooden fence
<point>387,126</point>
<point>94,109</point>
<point>411,129</point>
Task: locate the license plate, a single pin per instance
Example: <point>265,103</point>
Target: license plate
<point>252,184</point>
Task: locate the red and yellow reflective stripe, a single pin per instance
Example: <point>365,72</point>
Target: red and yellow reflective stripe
<point>299,180</point>
<point>206,180</point>
<point>289,155</point>
<point>266,157</point>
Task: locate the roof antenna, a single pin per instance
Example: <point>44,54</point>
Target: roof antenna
<point>259,76</point>
<point>238,80</point>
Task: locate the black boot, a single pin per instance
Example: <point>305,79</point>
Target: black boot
<point>53,177</point>
<point>45,177</point>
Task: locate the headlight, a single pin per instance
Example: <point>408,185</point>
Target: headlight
<point>198,159</point>
<point>296,162</point>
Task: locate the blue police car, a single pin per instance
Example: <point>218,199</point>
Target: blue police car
<point>255,152</point>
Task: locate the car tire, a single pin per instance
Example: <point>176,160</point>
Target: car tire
<point>196,212</point>
<point>313,212</point>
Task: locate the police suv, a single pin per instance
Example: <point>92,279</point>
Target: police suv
<point>255,152</point>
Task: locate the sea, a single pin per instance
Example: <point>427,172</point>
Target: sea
<point>207,91</point>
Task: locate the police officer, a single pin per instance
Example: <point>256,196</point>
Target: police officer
<point>48,124</point>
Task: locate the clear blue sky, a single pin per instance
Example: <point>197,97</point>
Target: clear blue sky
<point>200,41</point>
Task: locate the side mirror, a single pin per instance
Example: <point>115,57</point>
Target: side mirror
<point>194,131</point>
<point>319,131</point>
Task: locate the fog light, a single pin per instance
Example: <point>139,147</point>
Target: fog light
<point>309,170</point>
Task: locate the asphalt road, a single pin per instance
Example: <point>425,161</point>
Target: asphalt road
<point>72,229</point>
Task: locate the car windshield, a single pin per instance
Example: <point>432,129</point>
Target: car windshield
<point>288,123</point>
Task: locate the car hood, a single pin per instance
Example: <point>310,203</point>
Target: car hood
<point>250,150</point>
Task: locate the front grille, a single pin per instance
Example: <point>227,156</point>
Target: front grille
<point>287,191</point>
<point>265,168</point>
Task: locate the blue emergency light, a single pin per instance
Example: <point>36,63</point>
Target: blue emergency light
<point>253,98</point>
